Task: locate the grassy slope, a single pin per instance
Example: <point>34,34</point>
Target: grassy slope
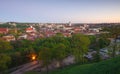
<point>111,66</point>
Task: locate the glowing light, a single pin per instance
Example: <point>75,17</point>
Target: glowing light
<point>33,57</point>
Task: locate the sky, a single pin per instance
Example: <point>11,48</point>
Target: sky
<point>60,11</point>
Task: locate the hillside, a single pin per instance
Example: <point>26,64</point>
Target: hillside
<point>111,66</point>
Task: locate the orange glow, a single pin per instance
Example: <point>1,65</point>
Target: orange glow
<point>33,57</point>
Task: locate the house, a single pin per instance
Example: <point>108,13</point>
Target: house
<point>30,29</point>
<point>68,28</point>
<point>95,29</point>
<point>67,34</point>
<point>24,36</point>
<point>3,30</point>
<point>9,38</point>
<point>77,29</point>
<point>49,33</point>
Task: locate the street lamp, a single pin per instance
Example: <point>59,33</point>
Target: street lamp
<point>33,57</point>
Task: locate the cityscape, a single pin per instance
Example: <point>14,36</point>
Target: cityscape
<point>59,37</point>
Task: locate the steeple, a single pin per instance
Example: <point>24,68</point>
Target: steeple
<point>70,23</point>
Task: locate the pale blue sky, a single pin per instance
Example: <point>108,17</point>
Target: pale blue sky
<point>77,11</point>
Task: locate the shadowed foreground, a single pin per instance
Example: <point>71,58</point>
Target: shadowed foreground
<point>111,66</point>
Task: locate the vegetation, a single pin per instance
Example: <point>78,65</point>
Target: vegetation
<point>114,32</point>
<point>48,49</point>
<point>111,66</point>
<point>98,43</point>
<point>13,25</point>
<point>79,44</point>
<point>45,57</point>
<point>57,48</point>
<point>5,60</point>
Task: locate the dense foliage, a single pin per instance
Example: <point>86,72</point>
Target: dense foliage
<point>114,32</point>
<point>48,49</point>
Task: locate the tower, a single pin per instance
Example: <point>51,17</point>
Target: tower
<point>70,24</point>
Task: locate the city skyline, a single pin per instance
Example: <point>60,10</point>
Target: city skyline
<point>60,11</point>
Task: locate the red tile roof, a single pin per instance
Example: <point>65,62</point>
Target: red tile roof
<point>29,28</point>
<point>3,30</point>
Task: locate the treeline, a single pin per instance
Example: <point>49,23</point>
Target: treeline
<point>17,25</point>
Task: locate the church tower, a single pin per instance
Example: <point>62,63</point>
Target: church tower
<point>70,24</point>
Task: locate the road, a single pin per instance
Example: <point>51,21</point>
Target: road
<point>26,67</point>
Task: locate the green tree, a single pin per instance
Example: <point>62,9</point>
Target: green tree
<point>59,53</point>
<point>16,59</point>
<point>100,43</point>
<point>45,56</point>
<point>4,46</point>
<point>114,32</point>
<point>80,44</point>
<point>5,60</point>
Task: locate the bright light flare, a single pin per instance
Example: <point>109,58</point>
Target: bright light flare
<point>33,57</point>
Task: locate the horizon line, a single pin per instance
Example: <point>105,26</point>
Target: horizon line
<point>60,22</point>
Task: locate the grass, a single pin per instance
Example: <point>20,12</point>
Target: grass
<point>111,66</point>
